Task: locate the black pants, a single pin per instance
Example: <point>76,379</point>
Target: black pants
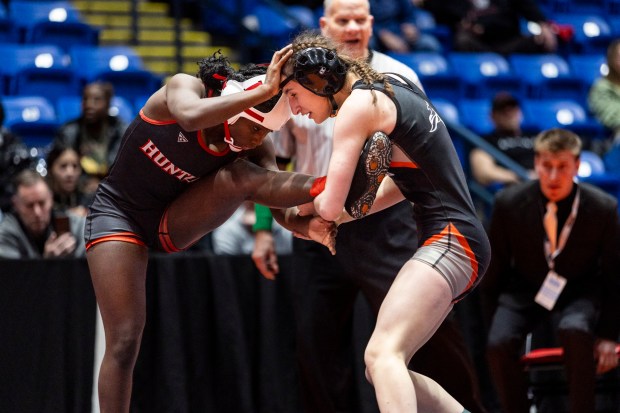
<point>370,252</point>
<point>514,319</point>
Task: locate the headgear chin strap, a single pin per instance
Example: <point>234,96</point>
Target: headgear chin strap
<point>273,120</point>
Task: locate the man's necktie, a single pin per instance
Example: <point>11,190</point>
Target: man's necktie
<point>550,221</point>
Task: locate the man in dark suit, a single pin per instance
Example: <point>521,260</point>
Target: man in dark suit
<point>556,252</point>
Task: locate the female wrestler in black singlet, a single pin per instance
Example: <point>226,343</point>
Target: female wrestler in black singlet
<point>408,137</point>
<point>191,157</point>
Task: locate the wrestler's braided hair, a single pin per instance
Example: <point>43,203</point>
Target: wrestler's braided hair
<point>216,69</point>
<point>360,67</point>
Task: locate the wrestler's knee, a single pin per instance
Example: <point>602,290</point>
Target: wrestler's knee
<point>378,357</point>
<point>124,343</point>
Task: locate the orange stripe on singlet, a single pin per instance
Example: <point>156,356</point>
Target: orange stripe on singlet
<point>155,122</point>
<point>121,236</point>
<point>412,165</point>
<point>164,236</point>
<point>451,229</point>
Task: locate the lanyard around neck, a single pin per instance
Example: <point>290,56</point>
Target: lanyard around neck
<point>564,234</point>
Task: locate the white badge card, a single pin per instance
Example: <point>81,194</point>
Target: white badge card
<point>550,290</point>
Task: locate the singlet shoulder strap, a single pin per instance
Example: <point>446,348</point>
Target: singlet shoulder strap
<point>412,86</point>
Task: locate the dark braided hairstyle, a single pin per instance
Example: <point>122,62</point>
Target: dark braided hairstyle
<point>216,69</point>
<point>360,67</point>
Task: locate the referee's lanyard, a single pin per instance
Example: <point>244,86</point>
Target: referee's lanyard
<point>566,230</point>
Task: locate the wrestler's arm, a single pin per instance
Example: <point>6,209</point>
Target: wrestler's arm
<point>354,123</point>
<point>185,100</point>
<point>308,227</point>
<point>388,194</point>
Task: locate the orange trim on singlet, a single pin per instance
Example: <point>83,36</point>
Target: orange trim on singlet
<point>155,122</point>
<point>121,236</point>
<point>451,229</point>
<point>164,236</point>
<point>204,146</point>
<point>412,165</point>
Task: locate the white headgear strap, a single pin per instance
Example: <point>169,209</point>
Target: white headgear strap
<point>273,120</point>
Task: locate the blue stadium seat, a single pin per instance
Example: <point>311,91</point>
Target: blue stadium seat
<point>26,14</point>
<point>484,74</point>
<point>547,76</point>
<point>592,169</point>
<point>63,34</point>
<point>222,17</point>
<point>33,118</point>
<point>70,107</point>
<point>592,32</point>
<point>36,70</point>
<point>435,74</point>
<point>476,115</point>
<point>280,23</point>
<point>590,164</point>
<point>569,114</point>
<point>9,32</point>
<point>121,107</point>
<point>425,22</point>
<point>447,110</point>
<point>588,68</point>
<point>119,65</point>
<point>139,102</point>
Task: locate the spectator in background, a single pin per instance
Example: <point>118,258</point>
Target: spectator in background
<point>395,29</point>
<point>235,236</point>
<point>63,175</point>
<point>567,269</point>
<point>95,135</point>
<point>507,137</point>
<point>493,25</point>
<point>33,230</point>
<point>14,157</point>
<point>604,102</point>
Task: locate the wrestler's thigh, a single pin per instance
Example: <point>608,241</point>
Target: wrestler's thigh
<point>413,309</point>
<point>118,272</point>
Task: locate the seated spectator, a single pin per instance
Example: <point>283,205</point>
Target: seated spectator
<point>604,102</point>
<point>555,256</point>
<point>32,230</point>
<point>95,135</point>
<point>507,137</point>
<point>395,29</point>
<point>493,25</point>
<point>63,175</point>
<point>235,236</point>
<point>14,157</point>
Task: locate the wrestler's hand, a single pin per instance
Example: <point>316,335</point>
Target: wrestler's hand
<point>605,350</point>
<point>264,255</point>
<point>322,231</point>
<point>59,245</point>
<point>274,71</point>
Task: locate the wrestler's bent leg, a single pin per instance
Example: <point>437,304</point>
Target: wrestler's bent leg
<point>209,202</point>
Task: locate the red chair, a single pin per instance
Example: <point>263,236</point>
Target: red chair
<point>544,367</point>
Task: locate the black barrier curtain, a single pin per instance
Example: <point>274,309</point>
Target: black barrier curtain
<point>47,330</point>
<point>219,338</point>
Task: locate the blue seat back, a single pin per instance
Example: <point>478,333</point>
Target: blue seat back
<point>476,115</point>
<point>435,74</point>
<point>484,74</point>
<point>33,118</point>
